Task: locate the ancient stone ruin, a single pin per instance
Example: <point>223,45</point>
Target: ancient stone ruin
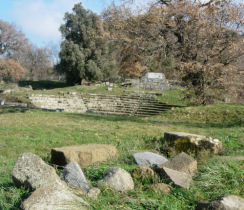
<point>132,104</point>
<point>69,190</point>
<point>150,81</point>
<point>154,81</point>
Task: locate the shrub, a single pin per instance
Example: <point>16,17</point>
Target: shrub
<point>10,71</point>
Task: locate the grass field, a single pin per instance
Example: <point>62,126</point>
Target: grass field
<point>36,131</point>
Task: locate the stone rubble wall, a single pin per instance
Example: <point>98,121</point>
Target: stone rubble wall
<point>81,103</point>
<point>65,103</point>
<point>154,84</point>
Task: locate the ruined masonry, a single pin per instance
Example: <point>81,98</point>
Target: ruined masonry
<point>134,104</point>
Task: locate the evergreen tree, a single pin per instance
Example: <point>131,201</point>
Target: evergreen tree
<point>86,53</point>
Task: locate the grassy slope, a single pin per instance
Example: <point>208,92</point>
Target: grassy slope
<point>38,132</point>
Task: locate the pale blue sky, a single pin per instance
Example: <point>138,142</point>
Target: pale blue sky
<point>40,19</point>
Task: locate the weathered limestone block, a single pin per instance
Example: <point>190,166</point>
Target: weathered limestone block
<point>185,142</point>
<point>183,163</point>
<point>229,202</point>
<point>31,171</point>
<point>118,179</point>
<point>74,176</point>
<point>179,179</point>
<point>84,155</point>
<point>54,196</point>
<point>149,159</point>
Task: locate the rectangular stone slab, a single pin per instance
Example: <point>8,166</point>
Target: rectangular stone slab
<point>84,155</point>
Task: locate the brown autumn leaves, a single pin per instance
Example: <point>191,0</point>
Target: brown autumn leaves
<point>200,44</point>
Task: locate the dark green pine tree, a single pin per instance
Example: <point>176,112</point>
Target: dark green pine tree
<point>85,52</point>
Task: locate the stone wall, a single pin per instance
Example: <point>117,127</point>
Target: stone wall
<point>67,103</point>
<point>109,104</point>
<point>154,81</point>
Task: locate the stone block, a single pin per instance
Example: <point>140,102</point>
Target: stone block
<point>84,155</point>
<point>118,179</point>
<point>185,142</point>
<point>183,163</point>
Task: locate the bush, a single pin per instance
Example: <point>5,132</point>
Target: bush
<point>10,71</point>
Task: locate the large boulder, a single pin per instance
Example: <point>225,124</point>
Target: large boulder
<point>180,179</point>
<point>74,176</point>
<point>54,196</point>
<point>183,163</point>
<point>229,202</point>
<point>84,155</point>
<point>118,179</point>
<point>31,171</point>
<point>149,159</point>
<point>193,143</point>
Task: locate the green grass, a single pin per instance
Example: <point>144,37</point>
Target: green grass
<point>38,132</point>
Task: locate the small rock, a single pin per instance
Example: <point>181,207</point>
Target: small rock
<point>93,193</point>
<point>180,179</point>
<point>183,163</point>
<point>84,155</point>
<point>149,159</point>
<point>31,171</point>
<point>74,176</point>
<point>161,188</point>
<point>229,202</point>
<point>52,197</point>
<point>110,89</point>
<point>118,179</point>
<point>143,172</point>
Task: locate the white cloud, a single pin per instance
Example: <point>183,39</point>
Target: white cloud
<point>41,18</point>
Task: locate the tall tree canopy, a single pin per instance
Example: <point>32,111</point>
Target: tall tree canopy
<point>86,52</point>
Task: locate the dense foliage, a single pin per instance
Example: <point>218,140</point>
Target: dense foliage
<point>199,44</point>
<point>86,53</point>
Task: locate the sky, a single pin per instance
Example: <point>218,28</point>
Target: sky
<point>40,20</point>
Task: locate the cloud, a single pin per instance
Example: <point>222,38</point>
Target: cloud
<point>41,18</point>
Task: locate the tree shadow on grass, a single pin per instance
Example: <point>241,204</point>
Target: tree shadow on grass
<point>142,120</point>
<point>13,109</point>
<point>43,84</point>
<point>106,117</point>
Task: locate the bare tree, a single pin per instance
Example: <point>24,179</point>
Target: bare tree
<point>10,38</point>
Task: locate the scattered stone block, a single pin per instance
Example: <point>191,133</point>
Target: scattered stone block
<point>183,163</point>
<point>74,176</point>
<point>84,155</point>
<point>93,193</point>
<point>117,179</point>
<point>143,172</point>
<point>1,102</point>
<point>31,171</point>
<point>149,159</point>
<point>229,202</point>
<point>52,197</point>
<point>110,89</point>
<point>161,188</point>
<point>185,142</point>
<point>180,179</point>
